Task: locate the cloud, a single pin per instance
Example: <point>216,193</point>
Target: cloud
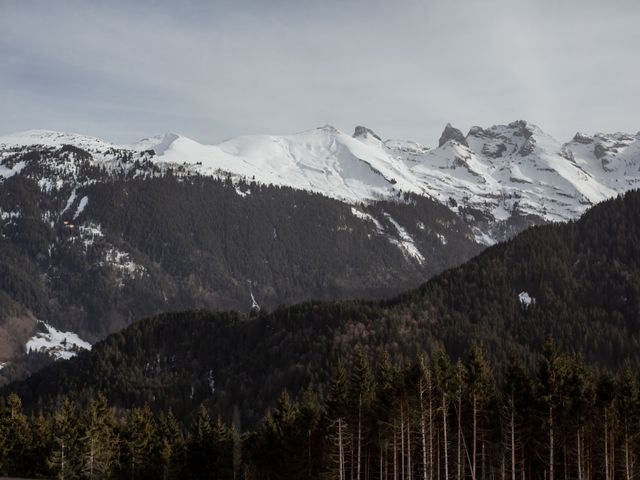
<point>213,69</point>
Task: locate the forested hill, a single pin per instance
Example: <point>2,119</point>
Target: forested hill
<point>92,259</point>
<point>579,282</point>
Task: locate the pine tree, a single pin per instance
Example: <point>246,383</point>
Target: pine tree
<point>628,411</point>
<point>16,431</point>
<point>98,442</point>
<point>480,391</point>
<point>200,446</point>
<point>361,399</point>
<point>172,447</point>
<point>141,447</point>
<point>63,459</point>
<point>222,461</point>
<point>441,371</point>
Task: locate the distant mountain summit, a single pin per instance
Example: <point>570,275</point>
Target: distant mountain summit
<point>94,235</point>
<point>491,175</point>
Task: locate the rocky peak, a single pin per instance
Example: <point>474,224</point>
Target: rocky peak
<point>522,128</point>
<point>363,132</point>
<point>452,133</point>
<point>582,138</point>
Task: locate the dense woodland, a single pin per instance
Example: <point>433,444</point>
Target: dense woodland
<point>426,419</point>
<point>583,276</point>
<point>148,242</point>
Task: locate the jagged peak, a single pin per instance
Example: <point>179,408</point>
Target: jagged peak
<point>363,132</point>
<point>452,133</point>
<point>583,138</point>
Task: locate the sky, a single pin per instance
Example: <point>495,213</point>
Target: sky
<point>211,70</point>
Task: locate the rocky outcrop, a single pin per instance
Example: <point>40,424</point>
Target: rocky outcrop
<point>452,133</point>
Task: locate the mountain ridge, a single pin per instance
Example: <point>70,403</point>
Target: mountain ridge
<point>495,171</point>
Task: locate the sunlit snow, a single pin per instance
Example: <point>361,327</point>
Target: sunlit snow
<point>61,345</point>
<point>526,300</point>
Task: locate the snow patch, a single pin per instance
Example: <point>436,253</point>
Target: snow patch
<point>526,300</point>
<point>70,200</point>
<point>241,193</point>
<point>367,217</point>
<point>9,215</point>
<point>405,243</point>
<point>58,344</point>
<point>121,262</point>
<point>84,201</point>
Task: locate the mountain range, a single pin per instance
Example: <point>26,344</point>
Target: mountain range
<point>95,235</point>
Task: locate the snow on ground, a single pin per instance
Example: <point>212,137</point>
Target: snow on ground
<point>501,167</point>
<point>121,262</point>
<point>405,243</point>
<point>89,232</point>
<point>526,300</point>
<point>50,138</point>
<point>70,200</point>
<point>84,201</point>
<point>6,172</point>
<point>254,302</point>
<point>9,215</point>
<point>241,193</point>
<point>61,345</point>
<point>367,217</point>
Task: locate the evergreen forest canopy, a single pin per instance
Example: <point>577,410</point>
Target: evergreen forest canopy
<point>582,279</point>
<point>147,242</point>
<point>435,420</point>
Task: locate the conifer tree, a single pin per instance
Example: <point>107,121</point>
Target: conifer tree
<point>172,446</point>
<point>98,443</point>
<point>141,448</point>
<point>16,433</point>
<point>200,446</point>
<point>63,459</point>
<point>361,398</point>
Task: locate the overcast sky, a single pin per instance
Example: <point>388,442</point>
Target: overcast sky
<point>123,70</point>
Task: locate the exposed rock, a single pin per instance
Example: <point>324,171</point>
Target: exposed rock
<point>599,151</point>
<point>522,128</point>
<point>527,147</point>
<point>362,132</point>
<point>582,138</point>
<point>494,150</point>
<point>452,133</point>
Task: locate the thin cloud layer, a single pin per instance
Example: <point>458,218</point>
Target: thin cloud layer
<point>212,70</point>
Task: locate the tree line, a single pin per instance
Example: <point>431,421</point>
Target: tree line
<point>434,419</point>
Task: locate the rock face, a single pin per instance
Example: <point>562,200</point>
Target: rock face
<point>362,132</point>
<point>452,133</point>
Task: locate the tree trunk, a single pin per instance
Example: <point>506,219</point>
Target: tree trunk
<point>341,470</point>
<point>474,440</point>
<point>359,436</point>
<point>513,443</point>
<point>551,455</point>
<point>395,452</point>
<point>444,434</point>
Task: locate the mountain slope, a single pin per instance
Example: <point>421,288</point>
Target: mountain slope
<point>493,176</point>
<point>95,235</point>
<point>106,248</point>
<point>579,282</point>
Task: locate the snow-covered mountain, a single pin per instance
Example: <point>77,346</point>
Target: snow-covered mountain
<point>490,175</point>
